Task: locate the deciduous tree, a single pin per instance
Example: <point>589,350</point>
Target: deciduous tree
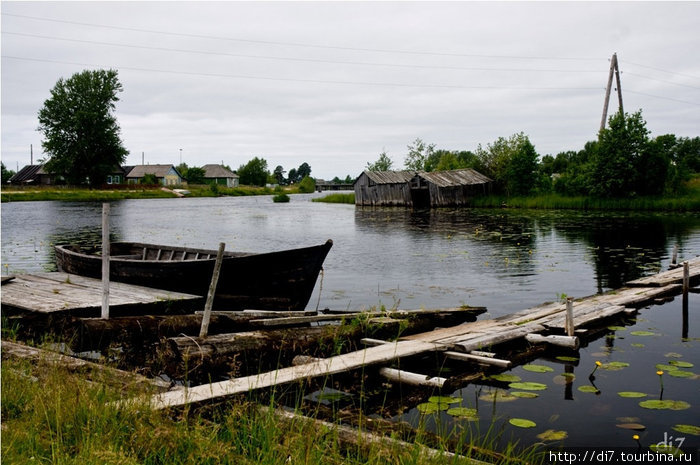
<point>81,134</point>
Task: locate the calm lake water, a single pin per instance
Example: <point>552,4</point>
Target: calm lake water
<point>506,260</point>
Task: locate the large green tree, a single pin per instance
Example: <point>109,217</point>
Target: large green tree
<point>420,156</point>
<point>622,149</point>
<point>81,134</point>
<point>254,173</point>
<point>6,174</point>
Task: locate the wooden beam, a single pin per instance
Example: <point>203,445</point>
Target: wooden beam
<point>478,358</point>
<point>413,379</point>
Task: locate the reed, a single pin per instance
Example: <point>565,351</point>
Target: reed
<point>553,201</point>
<point>348,198</point>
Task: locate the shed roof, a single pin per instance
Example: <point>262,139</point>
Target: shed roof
<point>27,174</point>
<point>454,177</point>
<point>159,171</point>
<point>218,171</point>
<point>390,177</point>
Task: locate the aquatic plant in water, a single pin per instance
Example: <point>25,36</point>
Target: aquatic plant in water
<point>522,423</point>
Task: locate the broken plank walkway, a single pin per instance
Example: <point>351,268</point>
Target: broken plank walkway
<point>462,338</point>
<point>56,292</point>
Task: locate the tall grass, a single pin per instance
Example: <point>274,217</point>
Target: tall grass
<point>52,416</point>
<point>689,202</point>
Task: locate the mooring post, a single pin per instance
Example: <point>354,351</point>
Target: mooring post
<point>212,290</point>
<point>569,325</point>
<point>686,278</point>
<point>105,261</point>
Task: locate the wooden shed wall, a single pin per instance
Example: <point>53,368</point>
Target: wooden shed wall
<point>368,193</point>
<point>454,196</point>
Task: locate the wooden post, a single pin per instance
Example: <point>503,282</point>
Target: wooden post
<point>686,278</point>
<point>603,120</point>
<point>569,326</point>
<point>212,290</point>
<point>105,261</point>
<point>674,257</point>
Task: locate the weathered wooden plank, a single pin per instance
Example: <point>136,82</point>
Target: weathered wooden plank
<point>61,292</point>
<point>581,319</point>
<point>328,366</point>
<point>674,276</point>
<point>497,337</point>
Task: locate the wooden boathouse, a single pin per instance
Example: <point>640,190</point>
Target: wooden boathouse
<point>420,189</point>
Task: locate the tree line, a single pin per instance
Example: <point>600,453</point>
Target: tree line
<point>624,162</point>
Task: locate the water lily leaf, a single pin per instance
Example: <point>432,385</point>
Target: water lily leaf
<point>681,364</point>
<point>688,429</point>
<point>638,345</point>
<point>564,379</point>
<point>528,386</point>
<point>643,333</point>
<point>662,367</point>
<point>616,328</point>
<point>551,435</point>
<point>537,368</point>
<point>498,395</point>
<point>614,366</point>
<point>463,412</point>
<point>522,423</point>
<point>565,358</point>
<point>631,394</point>
<point>665,404</point>
<point>672,355</point>
<point>587,388</point>
<point>444,400</point>
<point>681,374</point>
<point>524,395</point>
<point>430,407</point>
<point>632,426</point>
<point>506,377</point>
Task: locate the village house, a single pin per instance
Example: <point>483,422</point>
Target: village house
<point>166,175</point>
<point>218,174</point>
<point>420,189</point>
<point>37,175</point>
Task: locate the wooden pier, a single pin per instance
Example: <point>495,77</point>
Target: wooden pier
<point>542,324</point>
<point>61,293</point>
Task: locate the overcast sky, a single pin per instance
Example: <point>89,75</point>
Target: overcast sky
<point>334,84</point>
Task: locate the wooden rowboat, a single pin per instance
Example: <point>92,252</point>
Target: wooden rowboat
<point>282,280</point>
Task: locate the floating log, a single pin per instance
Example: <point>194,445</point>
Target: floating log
<point>414,379</point>
<point>471,357</point>
<point>371,342</point>
<point>570,342</point>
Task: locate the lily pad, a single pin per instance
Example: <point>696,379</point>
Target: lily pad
<point>616,328</point>
<point>537,368</point>
<point>665,404</point>
<point>524,395</point>
<point>430,407</point>
<point>662,367</point>
<point>444,400</point>
<point>632,426</point>
<point>637,345</point>
<point>528,386</point>
<point>643,333</point>
<point>565,358</point>
<point>666,449</point>
<point>498,395</point>
<point>673,355</point>
<point>687,429</point>
<point>522,423</point>
<point>463,412</point>
<point>681,364</point>
<point>551,435</point>
<point>506,377</point>
<point>614,366</point>
<point>681,374</point>
<point>631,394</point>
<point>587,388</point>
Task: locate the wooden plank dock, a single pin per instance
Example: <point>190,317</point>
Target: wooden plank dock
<point>464,338</point>
<point>63,293</point>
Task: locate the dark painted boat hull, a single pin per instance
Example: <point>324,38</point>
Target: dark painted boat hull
<point>281,280</point>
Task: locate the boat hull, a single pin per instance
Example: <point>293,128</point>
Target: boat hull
<point>282,280</point>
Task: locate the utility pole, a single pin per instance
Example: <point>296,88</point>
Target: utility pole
<point>614,69</point>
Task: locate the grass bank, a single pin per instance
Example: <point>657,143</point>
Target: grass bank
<point>554,201</point>
<point>50,415</point>
<point>337,198</point>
